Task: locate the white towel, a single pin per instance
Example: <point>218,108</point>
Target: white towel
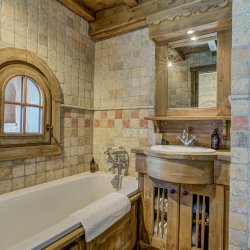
<point>160,204</point>
<point>101,214</point>
<point>165,228</point>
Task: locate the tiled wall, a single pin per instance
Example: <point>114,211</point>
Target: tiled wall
<point>59,37</point>
<point>240,131</point>
<point>125,128</point>
<point>124,71</point>
<point>124,94</point>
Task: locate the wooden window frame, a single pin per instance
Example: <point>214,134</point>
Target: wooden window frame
<point>6,74</point>
<point>15,62</point>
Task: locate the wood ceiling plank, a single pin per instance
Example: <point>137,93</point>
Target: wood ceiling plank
<point>97,5</point>
<point>121,16</point>
<point>131,3</point>
<point>78,9</point>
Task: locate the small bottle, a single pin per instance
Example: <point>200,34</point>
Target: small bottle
<point>92,166</point>
<point>215,140</point>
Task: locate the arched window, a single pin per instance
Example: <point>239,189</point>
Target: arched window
<point>29,107</point>
<point>23,106</point>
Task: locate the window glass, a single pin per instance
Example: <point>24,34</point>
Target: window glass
<point>33,93</point>
<point>14,89</point>
<point>13,118</point>
<point>33,120</point>
<point>22,106</point>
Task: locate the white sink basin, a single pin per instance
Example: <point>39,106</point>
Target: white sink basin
<point>181,149</point>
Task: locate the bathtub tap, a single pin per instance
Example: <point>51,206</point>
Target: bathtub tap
<point>119,158</point>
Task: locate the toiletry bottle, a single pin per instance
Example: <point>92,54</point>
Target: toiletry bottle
<point>215,140</point>
<point>92,166</point>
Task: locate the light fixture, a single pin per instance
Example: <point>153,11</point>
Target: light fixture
<point>190,32</point>
<point>170,64</point>
<point>194,38</point>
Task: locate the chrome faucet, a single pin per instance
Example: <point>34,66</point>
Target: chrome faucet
<point>186,138</point>
<point>119,159</point>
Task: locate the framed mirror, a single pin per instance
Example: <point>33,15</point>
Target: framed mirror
<point>192,72</point>
<point>193,76</point>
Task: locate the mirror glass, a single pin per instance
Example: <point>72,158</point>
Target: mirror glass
<point>192,76</point>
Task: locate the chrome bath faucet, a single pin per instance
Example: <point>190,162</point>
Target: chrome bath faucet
<point>119,158</point>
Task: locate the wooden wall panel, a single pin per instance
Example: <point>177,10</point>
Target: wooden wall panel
<point>202,129</point>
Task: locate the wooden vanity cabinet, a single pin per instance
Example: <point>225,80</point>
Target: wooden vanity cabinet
<point>160,213</point>
<point>201,217</point>
<point>195,215</point>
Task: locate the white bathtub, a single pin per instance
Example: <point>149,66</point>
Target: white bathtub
<point>34,217</point>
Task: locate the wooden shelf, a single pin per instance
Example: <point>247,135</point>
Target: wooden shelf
<point>192,118</point>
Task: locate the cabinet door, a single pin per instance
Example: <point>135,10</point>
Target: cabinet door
<point>201,217</point>
<point>161,213</point>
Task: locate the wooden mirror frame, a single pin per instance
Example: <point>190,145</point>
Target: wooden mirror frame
<point>223,109</point>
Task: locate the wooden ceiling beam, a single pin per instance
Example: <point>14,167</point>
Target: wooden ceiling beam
<point>79,9</point>
<point>131,3</point>
<point>171,29</point>
<point>168,20</point>
<point>119,19</point>
<point>179,57</point>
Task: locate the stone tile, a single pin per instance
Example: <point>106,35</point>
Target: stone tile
<point>40,167</point>
<point>240,123</point>
<point>18,171</point>
<point>238,221</point>
<point>40,178</point>
<point>5,173</point>
<point>5,186</point>
<point>18,183</point>
<point>30,169</point>
<point>29,180</point>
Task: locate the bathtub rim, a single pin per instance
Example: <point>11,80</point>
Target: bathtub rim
<point>37,187</point>
<point>65,226</point>
<point>54,233</point>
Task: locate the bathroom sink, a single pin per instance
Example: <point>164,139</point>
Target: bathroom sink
<point>181,149</point>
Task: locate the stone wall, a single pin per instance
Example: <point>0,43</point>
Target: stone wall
<point>61,39</point>
<point>240,168</point>
<point>124,94</point>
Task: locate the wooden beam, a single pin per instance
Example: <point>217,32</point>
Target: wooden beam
<point>131,3</point>
<point>203,39</point>
<point>78,9</point>
<point>214,19</point>
<point>118,31</point>
<point>178,56</point>
<point>161,13</point>
<point>119,19</point>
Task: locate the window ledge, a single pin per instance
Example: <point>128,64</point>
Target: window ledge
<point>14,153</point>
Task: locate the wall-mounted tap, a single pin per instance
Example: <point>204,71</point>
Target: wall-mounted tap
<point>119,159</point>
<point>186,138</point>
